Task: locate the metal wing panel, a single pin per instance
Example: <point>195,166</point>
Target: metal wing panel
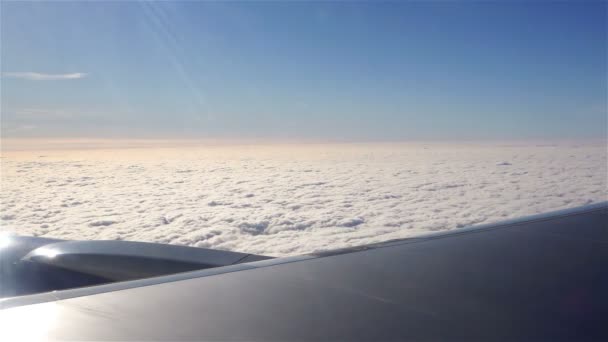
<point>535,280</point>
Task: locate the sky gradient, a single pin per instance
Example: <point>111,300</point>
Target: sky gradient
<point>319,71</point>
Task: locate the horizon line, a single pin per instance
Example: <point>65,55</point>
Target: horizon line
<point>41,144</point>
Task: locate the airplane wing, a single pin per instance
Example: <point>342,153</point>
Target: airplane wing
<point>541,278</point>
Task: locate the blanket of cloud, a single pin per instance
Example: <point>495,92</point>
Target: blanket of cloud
<point>290,199</point>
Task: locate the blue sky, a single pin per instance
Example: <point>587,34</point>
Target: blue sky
<point>310,70</point>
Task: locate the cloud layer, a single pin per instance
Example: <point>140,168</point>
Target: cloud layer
<point>293,199</point>
<point>36,76</point>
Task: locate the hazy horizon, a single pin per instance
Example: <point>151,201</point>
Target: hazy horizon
<point>46,144</point>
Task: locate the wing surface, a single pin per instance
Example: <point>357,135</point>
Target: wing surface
<point>540,278</point>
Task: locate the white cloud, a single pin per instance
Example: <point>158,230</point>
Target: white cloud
<point>36,76</point>
<point>41,113</point>
<point>291,199</point>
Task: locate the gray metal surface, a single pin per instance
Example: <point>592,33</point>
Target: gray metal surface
<point>124,260</point>
<point>30,265</point>
<point>12,249</point>
<point>543,279</point>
